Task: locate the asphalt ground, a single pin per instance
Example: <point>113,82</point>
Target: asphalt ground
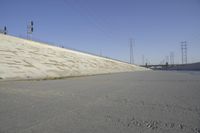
<point>146,102</point>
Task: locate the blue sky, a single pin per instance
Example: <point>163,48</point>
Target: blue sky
<point>105,26</point>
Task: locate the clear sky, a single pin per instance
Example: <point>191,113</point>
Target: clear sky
<point>105,26</point>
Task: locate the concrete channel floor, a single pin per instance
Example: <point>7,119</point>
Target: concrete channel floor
<point>146,102</point>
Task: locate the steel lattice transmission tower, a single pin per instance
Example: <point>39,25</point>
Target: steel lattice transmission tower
<point>184,52</point>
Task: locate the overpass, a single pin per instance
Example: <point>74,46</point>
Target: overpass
<point>187,67</point>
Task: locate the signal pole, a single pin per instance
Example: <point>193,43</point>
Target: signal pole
<point>29,30</point>
<point>184,52</point>
<point>5,30</point>
<point>131,52</point>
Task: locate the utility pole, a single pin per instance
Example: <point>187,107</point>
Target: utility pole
<point>184,52</point>
<point>142,59</point>
<point>172,58</point>
<point>167,59</point>
<point>131,52</point>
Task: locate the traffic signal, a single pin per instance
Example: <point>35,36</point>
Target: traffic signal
<point>5,30</point>
<point>31,26</point>
<point>31,23</point>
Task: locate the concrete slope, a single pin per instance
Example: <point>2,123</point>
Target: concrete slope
<point>25,59</point>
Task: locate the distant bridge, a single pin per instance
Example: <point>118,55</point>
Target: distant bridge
<point>191,67</point>
<point>159,67</point>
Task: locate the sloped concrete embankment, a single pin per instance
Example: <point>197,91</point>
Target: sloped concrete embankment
<point>25,59</point>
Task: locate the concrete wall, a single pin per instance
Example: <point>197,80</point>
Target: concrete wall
<point>25,59</point>
<point>187,67</point>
